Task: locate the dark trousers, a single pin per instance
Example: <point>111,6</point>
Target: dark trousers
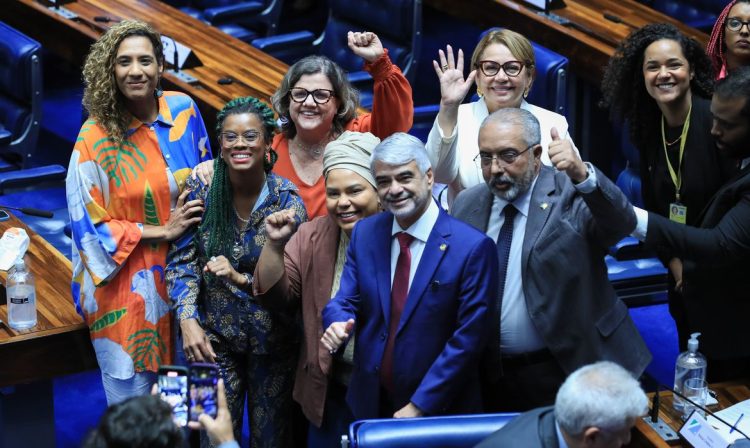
<point>336,419</point>
<point>524,385</point>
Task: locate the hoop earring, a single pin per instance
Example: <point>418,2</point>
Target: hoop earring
<point>479,92</point>
<point>525,93</point>
<point>158,92</point>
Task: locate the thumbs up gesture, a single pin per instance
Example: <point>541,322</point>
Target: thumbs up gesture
<point>565,157</point>
<point>336,334</point>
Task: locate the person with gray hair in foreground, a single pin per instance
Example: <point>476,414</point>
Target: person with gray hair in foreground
<point>596,407</point>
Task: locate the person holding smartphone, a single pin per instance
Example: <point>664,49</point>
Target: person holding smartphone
<point>148,421</point>
<point>209,276</point>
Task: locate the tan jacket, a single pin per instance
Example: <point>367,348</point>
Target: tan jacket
<point>309,258</point>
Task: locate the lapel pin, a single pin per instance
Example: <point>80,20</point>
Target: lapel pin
<point>544,205</point>
<point>443,247</point>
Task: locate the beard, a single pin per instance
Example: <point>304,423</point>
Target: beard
<point>516,186</point>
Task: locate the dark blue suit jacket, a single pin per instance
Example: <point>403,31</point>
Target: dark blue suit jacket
<point>443,327</point>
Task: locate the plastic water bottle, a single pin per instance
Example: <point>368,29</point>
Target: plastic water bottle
<point>21,294</point>
<point>690,364</point>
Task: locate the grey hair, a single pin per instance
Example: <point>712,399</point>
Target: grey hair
<point>602,395</point>
<point>400,149</point>
<point>347,95</point>
<point>532,133</point>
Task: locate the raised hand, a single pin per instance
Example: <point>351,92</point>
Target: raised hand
<point>450,72</point>
<point>366,45</point>
<point>280,226</point>
<point>336,334</point>
<point>564,157</point>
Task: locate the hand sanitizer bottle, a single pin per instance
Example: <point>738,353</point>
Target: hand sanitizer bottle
<point>690,364</point>
<point>21,297</point>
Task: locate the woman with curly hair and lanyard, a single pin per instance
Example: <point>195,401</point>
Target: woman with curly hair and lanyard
<point>126,199</point>
<point>660,82</point>
<point>209,276</point>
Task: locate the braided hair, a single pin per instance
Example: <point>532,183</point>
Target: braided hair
<point>218,219</point>
<point>716,46</point>
<point>624,89</point>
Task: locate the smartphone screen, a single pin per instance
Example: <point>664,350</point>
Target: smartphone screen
<point>173,388</point>
<point>203,379</point>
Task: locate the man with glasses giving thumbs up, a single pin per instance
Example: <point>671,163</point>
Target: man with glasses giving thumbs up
<point>555,309</point>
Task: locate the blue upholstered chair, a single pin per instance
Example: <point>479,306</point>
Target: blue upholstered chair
<point>398,23</point>
<point>452,431</point>
<point>549,90</point>
<point>20,111</point>
<point>245,20</point>
<point>700,14</point>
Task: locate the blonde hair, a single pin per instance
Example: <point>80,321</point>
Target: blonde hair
<point>101,96</point>
<point>519,47</point>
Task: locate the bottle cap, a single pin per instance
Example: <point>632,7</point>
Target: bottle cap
<point>693,342</point>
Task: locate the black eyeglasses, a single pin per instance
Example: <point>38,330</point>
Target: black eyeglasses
<point>491,68</point>
<point>320,96</point>
<point>508,156</point>
<point>735,24</point>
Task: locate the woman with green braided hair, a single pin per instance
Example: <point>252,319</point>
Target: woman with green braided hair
<point>209,277</point>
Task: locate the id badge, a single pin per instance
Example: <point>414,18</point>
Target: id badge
<point>677,213</point>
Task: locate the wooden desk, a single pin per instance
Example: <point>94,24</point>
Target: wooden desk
<point>588,52</point>
<point>59,344</point>
<point>255,73</point>
<point>728,393</point>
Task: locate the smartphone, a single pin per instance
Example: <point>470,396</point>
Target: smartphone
<point>202,396</point>
<point>173,388</point>
<point>4,216</point>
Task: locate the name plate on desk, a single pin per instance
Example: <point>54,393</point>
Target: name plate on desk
<point>545,5</point>
<point>184,55</point>
<point>700,434</point>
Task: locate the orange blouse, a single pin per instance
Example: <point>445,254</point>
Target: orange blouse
<point>392,111</point>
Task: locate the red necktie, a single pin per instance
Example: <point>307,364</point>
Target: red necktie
<point>399,291</point>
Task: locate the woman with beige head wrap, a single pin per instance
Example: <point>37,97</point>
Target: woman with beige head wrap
<point>308,269</point>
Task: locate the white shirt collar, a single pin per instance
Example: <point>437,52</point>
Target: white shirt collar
<point>560,439</point>
<point>423,226</point>
<point>744,163</point>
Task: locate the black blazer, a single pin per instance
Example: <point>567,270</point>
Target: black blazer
<point>716,268</point>
<point>533,429</point>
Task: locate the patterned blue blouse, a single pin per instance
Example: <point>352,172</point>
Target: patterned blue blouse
<point>229,312</point>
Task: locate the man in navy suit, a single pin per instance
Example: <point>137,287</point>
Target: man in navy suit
<point>415,291</point>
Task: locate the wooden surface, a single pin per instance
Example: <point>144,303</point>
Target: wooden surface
<point>588,51</point>
<point>727,393</point>
<point>255,73</point>
<point>59,344</point>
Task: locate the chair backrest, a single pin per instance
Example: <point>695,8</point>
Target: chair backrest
<point>20,92</point>
<point>453,431</point>
<point>398,23</point>
<point>550,89</point>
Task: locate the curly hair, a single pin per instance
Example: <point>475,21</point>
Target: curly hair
<point>519,47</point>
<point>624,87</point>
<point>716,45</point>
<point>347,95</point>
<point>101,96</point>
<point>218,219</point>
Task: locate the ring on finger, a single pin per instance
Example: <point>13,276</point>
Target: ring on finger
<point>213,258</point>
<point>445,67</point>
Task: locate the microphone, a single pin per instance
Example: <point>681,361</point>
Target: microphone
<point>702,408</point>
<point>175,55</point>
<point>30,211</point>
